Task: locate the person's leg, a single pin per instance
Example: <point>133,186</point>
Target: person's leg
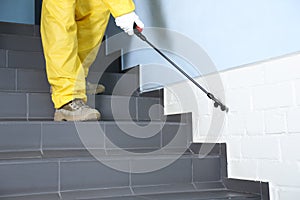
<point>59,36</point>
<point>92,18</point>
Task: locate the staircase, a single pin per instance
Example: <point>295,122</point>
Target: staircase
<point>41,159</point>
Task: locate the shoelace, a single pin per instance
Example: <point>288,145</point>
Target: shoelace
<point>77,104</point>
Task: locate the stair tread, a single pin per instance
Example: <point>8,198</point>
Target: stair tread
<point>137,155</point>
<point>220,194</point>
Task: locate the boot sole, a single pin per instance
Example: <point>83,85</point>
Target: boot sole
<point>58,117</point>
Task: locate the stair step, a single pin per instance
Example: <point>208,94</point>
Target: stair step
<point>20,43</point>
<point>35,106</point>
<point>2,58</point>
<point>107,62</point>
<point>27,58</point>
<point>117,83</point>
<point>126,194</point>
<point>19,29</point>
<point>23,80</point>
<point>28,80</point>
<point>60,139</point>
<point>34,176</point>
<point>126,108</point>
<point>140,191</point>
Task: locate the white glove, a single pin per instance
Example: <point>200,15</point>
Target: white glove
<point>127,21</point>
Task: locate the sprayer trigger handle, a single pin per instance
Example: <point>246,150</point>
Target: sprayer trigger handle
<point>136,27</point>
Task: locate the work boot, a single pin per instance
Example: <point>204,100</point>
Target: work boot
<point>76,110</point>
<point>93,89</point>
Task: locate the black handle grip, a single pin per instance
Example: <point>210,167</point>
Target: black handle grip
<point>138,32</point>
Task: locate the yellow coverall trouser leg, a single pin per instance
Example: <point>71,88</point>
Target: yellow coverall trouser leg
<point>72,31</point>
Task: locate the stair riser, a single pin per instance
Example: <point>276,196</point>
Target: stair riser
<point>117,83</point>
<point>2,58</point>
<point>35,60</point>
<point>26,52</point>
<point>49,176</point>
<point>19,80</point>
<point>39,106</point>
<point>19,29</point>
<point>25,59</point>
<point>23,80</point>
<point>20,43</point>
<point>44,139</point>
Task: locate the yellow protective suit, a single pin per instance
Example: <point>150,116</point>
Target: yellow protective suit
<point>72,31</point>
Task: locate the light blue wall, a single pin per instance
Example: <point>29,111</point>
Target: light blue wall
<point>20,11</point>
<point>232,32</point>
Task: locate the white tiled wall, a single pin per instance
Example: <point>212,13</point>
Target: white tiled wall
<point>262,129</point>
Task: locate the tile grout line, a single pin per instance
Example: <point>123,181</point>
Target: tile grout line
<point>16,80</point>
<point>6,59</point>
<point>161,136</point>
<point>41,142</point>
<point>137,109</point>
<point>59,181</point>
<point>130,177</point>
<point>104,134</point>
<point>27,106</point>
<point>193,183</point>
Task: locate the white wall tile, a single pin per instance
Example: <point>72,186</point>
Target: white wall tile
<point>279,173</point>
<point>241,169</point>
<point>236,124</point>
<point>275,121</point>
<point>283,69</point>
<point>273,96</point>
<point>293,120</point>
<point>203,125</point>
<point>234,148</point>
<point>289,194</point>
<point>273,190</point>
<point>255,123</point>
<point>239,100</point>
<point>297,90</point>
<point>290,147</point>
<point>245,76</point>
<point>261,147</point>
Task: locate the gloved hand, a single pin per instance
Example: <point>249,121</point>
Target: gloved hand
<point>127,21</point>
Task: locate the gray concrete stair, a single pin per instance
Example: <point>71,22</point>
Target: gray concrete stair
<point>35,81</point>
<point>19,29</point>
<point>47,138</point>
<point>48,157</point>
<point>192,195</point>
<point>33,58</point>
<point>23,51</point>
<point>43,160</point>
<point>84,177</point>
<point>39,106</point>
<point>20,42</point>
